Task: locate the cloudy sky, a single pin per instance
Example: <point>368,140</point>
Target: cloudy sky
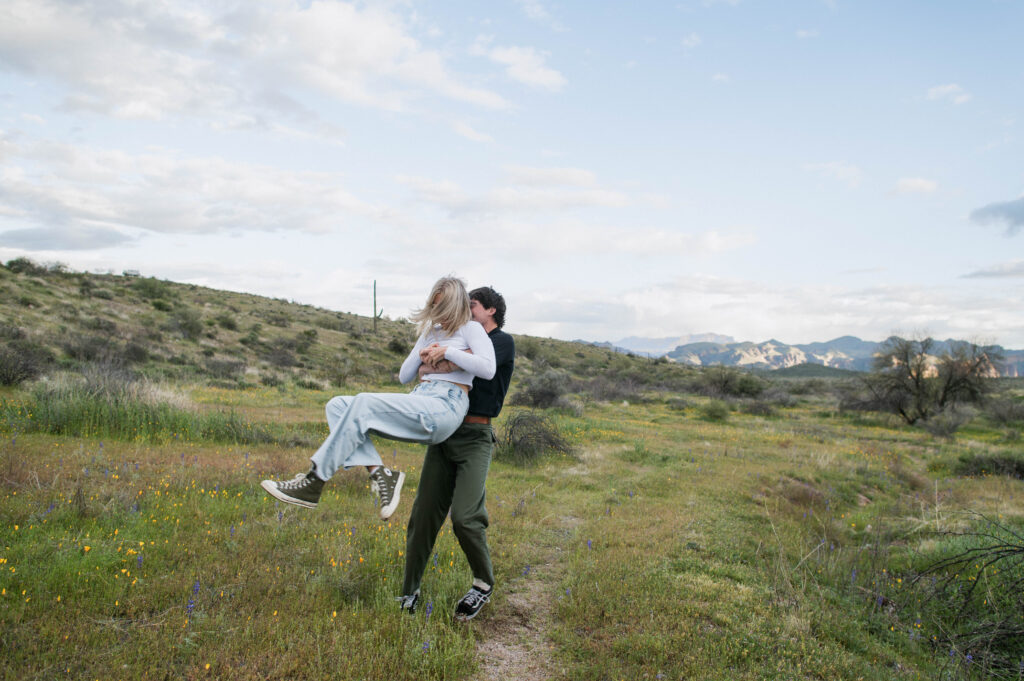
<point>796,170</point>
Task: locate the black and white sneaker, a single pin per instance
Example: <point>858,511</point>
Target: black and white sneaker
<point>388,484</point>
<point>303,490</point>
<point>408,603</point>
<point>472,602</point>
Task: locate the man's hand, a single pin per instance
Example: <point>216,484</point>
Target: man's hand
<point>433,361</point>
<point>445,366</point>
<point>432,354</point>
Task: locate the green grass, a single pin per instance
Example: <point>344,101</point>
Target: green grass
<point>691,549</point>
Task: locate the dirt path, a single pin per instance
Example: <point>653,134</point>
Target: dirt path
<point>516,644</point>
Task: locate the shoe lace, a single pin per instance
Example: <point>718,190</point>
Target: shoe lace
<point>295,483</point>
<point>408,602</point>
<point>475,597</point>
<point>383,488</point>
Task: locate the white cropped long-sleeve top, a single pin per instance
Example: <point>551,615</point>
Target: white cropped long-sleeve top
<point>471,335</point>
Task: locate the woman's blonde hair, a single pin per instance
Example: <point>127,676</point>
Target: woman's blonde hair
<point>451,310</point>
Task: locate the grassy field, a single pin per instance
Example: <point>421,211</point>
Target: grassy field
<point>668,547</point>
<point>708,524</point>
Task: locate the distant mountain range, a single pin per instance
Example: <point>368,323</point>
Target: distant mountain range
<point>846,352</point>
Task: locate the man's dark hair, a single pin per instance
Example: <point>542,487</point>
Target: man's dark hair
<point>488,297</point>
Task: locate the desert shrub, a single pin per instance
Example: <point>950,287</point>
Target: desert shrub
<point>86,287</point>
<point>398,346</point>
<point>722,381</point>
<point>228,369</point>
<point>527,347</point>
<point>1008,464</point>
<point>1005,411</point>
<point>279,319</point>
<point>529,435</point>
<point>305,340</point>
<point>969,592</point>
<point>778,397</point>
<point>151,289</point>
<point>102,294</point>
<point>11,332</point>
<point>162,305</point>
<point>87,348</point>
<point>715,410</point>
<point>135,352</point>
<point>946,422</point>
<point>613,388</point>
<point>640,454</point>
<point>309,383</point>
<point>543,389</point>
<point>27,301</point>
<point>758,408</point>
<point>187,322</point>
<point>21,360</point>
<point>677,404</point>
<point>280,356</point>
<point>102,325</point>
<point>271,380</point>
<point>809,386</point>
<point>227,321</point>
<point>25,266</point>
<point>853,397</point>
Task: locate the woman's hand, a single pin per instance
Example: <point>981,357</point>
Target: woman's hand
<point>432,354</point>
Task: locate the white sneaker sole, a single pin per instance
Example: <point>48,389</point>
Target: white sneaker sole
<point>387,511</point>
<point>271,487</point>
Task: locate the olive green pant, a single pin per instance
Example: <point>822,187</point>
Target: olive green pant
<point>453,477</point>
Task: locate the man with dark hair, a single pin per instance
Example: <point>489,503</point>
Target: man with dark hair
<point>454,473</point>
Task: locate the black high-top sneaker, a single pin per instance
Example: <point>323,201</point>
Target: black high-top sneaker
<point>302,490</point>
<point>389,488</point>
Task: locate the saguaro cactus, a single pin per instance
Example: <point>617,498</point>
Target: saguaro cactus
<point>376,313</point>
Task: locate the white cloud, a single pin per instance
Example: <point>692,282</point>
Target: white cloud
<point>574,177</point>
<point>756,311</point>
<point>1006,270</point>
<point>522,64</point>
<point>235,63</point>
<point>951,92</point>
<point>532,190</point>
<point>691,41</point>
<point>80,191</point>
<point>721,78</point>
<point>470,133</point>
<point>805,33</point>
<point>846,173</point>
<point>916,185</point>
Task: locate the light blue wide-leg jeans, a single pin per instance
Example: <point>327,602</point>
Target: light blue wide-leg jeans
<point>429,414</point>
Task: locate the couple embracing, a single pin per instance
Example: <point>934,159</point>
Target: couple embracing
<point>462,364</point>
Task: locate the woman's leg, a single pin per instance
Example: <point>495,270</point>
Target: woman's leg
<point>429,414</point>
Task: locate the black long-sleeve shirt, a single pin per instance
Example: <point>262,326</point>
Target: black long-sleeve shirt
<point>487,397</point>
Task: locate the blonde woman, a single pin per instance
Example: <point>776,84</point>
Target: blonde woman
<point>429,414</point>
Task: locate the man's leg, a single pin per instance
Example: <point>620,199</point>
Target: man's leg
<point>470,451</point>
<point>433,499</point>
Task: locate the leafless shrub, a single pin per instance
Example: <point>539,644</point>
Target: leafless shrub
<point>528,435</point>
